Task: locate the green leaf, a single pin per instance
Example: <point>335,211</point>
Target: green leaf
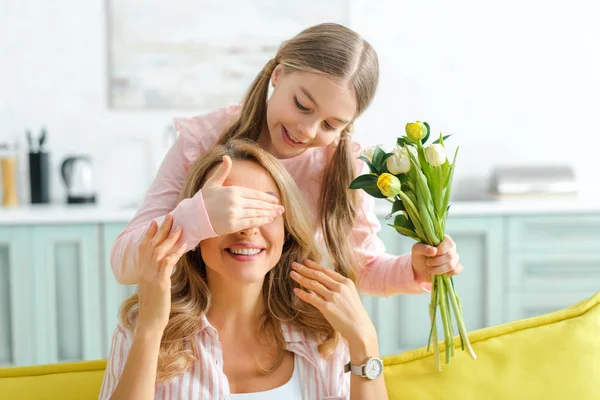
<point>371,166</point>
<point>378,155</point>
<point>444,138</point>
<point>424,140</point>
<point>402,141</point>
<point>406,232</point>
<point>363,181</point>
<point>401,220</point>
<point>398,206</point>
<point>374,191</point>
<point>403,178</point>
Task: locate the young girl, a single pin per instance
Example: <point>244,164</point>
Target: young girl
<point>230,323</point>
<point>323,79</point>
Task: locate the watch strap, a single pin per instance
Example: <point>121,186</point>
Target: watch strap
<point>355,369</point>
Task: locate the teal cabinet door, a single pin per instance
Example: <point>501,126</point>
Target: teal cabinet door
<point>403,322</point>
<point>16,294</point>
<point>66,282</point>
<point>113,293</point>
<point>527,305</point>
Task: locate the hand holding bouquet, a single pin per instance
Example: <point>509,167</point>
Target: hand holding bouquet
<point>417,179</point>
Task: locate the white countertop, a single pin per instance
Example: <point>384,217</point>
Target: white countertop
<point>62,213</point>
<point>513,207</point>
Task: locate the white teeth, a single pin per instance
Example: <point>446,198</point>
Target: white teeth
<point>293,138</point>
<point>245,252</point>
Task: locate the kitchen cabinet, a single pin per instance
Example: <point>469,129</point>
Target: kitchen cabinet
<point>59,300</point>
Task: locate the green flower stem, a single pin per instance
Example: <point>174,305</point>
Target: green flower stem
<point>459,319</point>
<point>445,317</point>
<point>436,348</point>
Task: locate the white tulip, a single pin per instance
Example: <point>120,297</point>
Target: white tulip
<point>435,154</point>
<point>399,163</point>
<point>368,152</point>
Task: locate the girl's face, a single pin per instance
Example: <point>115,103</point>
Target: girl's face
<point>305,110</point>
<point>246,256</point>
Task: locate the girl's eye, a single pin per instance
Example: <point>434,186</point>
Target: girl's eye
<point>327,126</point>
<point>300,106</point>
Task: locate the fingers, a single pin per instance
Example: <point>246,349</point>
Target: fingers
<point>446,245</point>
<point>311,299</point>
<point>327,271</point>
<point>253,213</point>
<point>313,285</point>
<point>167,245</point>
<point>457,270</point>
<point>445,267</point>
<point>150,232</point>
<point>220,174</point>
<point>248,223</point>
<point>253,194</point>
<point>163,231</point>
<point>259,204</point>
<point>424,250</point>
<point>170,260</point>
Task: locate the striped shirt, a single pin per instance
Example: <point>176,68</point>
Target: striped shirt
<point>205,380</point>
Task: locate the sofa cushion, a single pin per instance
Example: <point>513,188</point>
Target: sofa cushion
<point>65,381</point>
<point>552,356</point>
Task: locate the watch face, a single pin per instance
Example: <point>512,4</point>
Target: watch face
<point>373,368</point>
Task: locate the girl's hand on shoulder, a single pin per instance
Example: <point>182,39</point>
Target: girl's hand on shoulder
<point>157,257</point>
<point>232,208</point>
<point>428,260</point>
<point>336,297</point>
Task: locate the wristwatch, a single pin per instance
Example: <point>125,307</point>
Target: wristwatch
<point>371,369</point>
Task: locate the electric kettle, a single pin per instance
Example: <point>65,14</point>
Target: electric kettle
<point>77,175</point>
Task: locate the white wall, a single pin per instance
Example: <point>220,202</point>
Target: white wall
<point>514,81</point>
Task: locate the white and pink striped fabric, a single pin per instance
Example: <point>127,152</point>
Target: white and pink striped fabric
<point>205,380</point>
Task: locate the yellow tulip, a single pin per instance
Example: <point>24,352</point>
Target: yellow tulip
<point>388,184</point>
<point>416,131</point>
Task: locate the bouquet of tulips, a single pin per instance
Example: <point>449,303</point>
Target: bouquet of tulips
<point>417,179</point>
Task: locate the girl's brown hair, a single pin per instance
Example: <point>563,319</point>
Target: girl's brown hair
<point>190,296</point>
<point>340,54</point>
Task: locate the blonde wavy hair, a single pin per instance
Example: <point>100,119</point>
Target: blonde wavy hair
<point>340,54</point>
<point>190,295</point>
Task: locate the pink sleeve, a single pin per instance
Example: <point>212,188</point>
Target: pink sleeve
<point>196,136</point>
<point>384,274</point>
<point>115,364</point>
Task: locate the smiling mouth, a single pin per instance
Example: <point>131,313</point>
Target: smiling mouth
<point>245,251</point>
<point>290,138</point>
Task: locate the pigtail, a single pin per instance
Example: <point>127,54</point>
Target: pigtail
<point>253,116</point>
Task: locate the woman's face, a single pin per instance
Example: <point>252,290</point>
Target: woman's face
<point>305,110</point>
<point>247,255</point>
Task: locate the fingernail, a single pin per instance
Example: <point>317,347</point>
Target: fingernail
<point>178,229</point>
<point>294,274</point>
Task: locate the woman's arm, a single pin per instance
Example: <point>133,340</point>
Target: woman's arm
<point>337,299</point>
<point>158,255</point>
<point>139,374</point>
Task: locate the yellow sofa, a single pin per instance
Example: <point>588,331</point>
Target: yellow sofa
<point>553,356</point>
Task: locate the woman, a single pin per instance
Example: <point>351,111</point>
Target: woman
<point>234,320</point>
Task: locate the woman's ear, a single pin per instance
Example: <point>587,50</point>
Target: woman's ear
<point>276,74</point>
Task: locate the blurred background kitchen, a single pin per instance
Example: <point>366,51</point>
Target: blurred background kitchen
<point>88,90</point>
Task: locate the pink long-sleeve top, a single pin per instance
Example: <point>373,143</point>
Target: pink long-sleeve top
<point>382,275</point>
